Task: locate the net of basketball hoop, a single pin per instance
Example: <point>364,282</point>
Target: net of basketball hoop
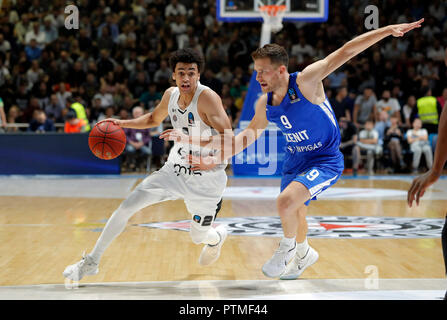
<point>272,16</point>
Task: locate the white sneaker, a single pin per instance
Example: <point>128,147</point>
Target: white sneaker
<point>211,253</point>
<point>297,266</point>
<point>278,262</point>
<point>85,267</point>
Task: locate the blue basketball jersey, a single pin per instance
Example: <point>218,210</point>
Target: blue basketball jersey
<point>311,131</point>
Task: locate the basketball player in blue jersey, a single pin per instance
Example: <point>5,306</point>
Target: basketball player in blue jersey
<point>297,104</point>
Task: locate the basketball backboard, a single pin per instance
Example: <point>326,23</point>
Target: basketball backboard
<point>248,10</point>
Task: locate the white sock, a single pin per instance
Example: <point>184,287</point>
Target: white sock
<point>301,248</point>
<point>212,237</point>
<point>288,242</point>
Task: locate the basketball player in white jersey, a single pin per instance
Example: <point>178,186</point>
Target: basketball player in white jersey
<point>196,110</point>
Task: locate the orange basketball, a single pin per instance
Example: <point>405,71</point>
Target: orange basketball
<point>107,140</point>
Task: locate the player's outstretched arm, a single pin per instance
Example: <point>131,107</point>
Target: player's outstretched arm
<point>150,119</point>
<point>226,143</point>
<point>319,70</point>
<point>421,183</point>
<point>250,134</point>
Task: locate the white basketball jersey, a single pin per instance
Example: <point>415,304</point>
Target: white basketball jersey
<point>188,120</point>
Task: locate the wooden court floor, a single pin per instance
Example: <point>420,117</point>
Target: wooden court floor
<point>41,235</point>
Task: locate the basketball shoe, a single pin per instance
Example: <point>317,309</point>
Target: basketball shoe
<point>278,262</point>
<point>85,267</point>
<point>210,253</point>
<point>297,266</point>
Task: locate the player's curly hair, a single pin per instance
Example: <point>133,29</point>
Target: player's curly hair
<point>187,55</point>
<point>276,53</point>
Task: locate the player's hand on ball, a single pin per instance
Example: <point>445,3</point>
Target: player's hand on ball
<point>398,30</point>
<point>174,135</point>
<point>117,122</point>
<point>202,163</point>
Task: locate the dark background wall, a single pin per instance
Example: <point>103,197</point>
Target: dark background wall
<point>51,153</point>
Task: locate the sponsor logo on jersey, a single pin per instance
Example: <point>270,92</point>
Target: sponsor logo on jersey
<point>190,118</point>
<point>342,227</point>
<point>292,95</point>
<point>174,118</point>
<point>197,218</point>
<point>310,147</point>
<point>296,136</point>
<point>181,169</point>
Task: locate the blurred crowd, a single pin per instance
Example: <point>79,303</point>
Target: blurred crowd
<point>387,99</point>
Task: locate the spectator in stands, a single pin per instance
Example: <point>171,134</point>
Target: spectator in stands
<point>4,71</point>
<point>33,105</point>
<point>14,116</point>
<point>337,79</point>
<point>429,70</point>
<point>138,140</point>
<point>73,124</point>
<point>388,104</point>
<point>32,50</point>
<point>208,79</point>
<point>302,48</point>
<point>393,141</point>
<point>348,145</point>
<point>175,8</point>
<point>42,93</point>
<point>418,141</point>
<point>140,84</point>
<point>163,75</point>
<point>40,123</point>
<point>105,64</point>
<point>91,86</point>
<point>369,142</point>
<point>151,97</point>
<point>364,107</point>
<point>22,96</point>
<point>225,76</point>
<point>75,104</point>
<point>34,73</point>
<point>77,75</point>
<point>339,103</point>
<point>442,99</point>
<point>49,30</point>
<point>3,121</point>
<point>37,34</point>
<point>54,109</point>
<point>123,114</point>
<point>62,92</point>
<point>110,27</point>
<point>436,52</point>
<point>409,112</point>
<point>383,121</point>
<point>105,97</point>
<point>429,111</point>
<point>5,45</point>
<point>108,113</point>
<point>21,28</point>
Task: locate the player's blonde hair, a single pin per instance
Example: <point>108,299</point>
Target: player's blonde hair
<point>276,54</point>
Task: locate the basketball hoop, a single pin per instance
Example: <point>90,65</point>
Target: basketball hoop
<point>273,15</point>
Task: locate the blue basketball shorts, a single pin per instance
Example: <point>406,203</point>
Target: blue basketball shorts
<point>316,179</point>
